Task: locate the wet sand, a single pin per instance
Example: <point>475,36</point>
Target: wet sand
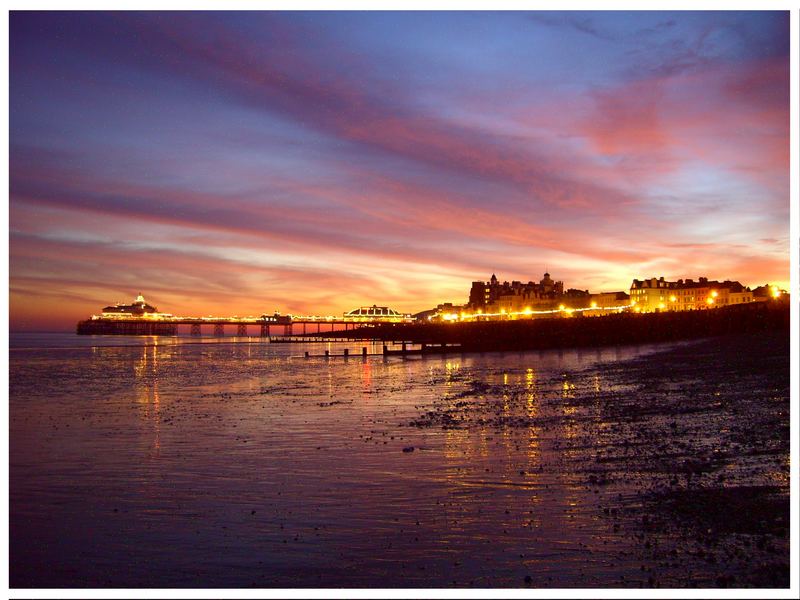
<point>686,452</point>
<point>243,466</point>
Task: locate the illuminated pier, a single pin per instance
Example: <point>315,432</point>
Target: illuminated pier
<point>140,318</point>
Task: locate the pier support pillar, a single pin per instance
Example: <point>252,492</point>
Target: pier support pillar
<point>219,329</point>
<point>195,329</point>
<point>318,326</point>
<point>364,352</point>
<point>241,330</point>
<point>265,331</point>
<point>304,328</point>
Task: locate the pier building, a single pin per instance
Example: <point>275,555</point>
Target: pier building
<point>138,308</point>
<point>376,313</point>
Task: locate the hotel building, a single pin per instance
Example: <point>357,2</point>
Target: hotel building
<point>655,295</point>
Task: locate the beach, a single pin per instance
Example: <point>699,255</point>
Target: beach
<point>168,463</point>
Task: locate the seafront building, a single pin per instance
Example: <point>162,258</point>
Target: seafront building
<point>493,300</point>
<point>492,297</point>
<point>657,294</point>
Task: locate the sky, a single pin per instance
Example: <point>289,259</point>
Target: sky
<point>311,163</point>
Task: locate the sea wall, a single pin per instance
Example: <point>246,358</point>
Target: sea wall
<point>623,328</point>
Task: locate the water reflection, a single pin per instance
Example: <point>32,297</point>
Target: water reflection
<point>532,409</point>
<point>146,383</point>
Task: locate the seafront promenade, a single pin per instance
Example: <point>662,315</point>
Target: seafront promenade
<point>542,334</point>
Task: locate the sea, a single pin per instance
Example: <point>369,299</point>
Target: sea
<point>180,462</point>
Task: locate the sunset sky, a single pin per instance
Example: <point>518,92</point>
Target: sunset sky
<point>239,163</point>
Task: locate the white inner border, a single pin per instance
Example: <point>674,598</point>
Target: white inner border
<point>730,5</point>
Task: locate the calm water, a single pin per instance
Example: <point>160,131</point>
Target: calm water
<point>165,462</point>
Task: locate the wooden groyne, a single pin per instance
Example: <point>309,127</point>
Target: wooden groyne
<point>405,349</point>
<point>625,328</point>
<point>306,339</point>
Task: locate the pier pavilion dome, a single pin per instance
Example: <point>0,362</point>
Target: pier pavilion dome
<point>373,312</point>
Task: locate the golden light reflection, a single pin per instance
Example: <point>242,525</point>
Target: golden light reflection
<point>532,408</point>
<point>451,370</point>
<point>568,392</point>
<point>146,375</point>
<point>456,444</point>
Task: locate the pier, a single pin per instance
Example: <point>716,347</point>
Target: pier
<point>266,327</point>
